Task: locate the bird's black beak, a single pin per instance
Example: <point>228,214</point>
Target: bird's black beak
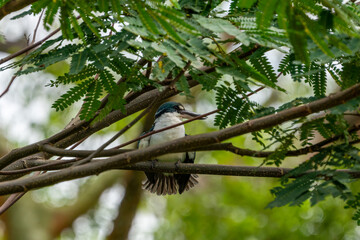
<point>189,115</point>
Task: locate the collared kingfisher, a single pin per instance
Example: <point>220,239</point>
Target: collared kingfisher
<point>168,114</point>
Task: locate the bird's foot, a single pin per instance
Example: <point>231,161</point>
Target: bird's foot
<point>153,163</point>
<point>177,165</point>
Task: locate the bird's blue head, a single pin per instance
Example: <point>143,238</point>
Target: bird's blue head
<point>174,107</point>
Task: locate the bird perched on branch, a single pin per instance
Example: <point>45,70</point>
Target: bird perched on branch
<point>168,114</point>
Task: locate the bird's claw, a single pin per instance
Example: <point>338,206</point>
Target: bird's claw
<point>153,163</point>
<point>177,165</point>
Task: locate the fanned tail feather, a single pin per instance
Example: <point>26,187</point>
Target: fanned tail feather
<point>167,184</point>
<point>192,182</point>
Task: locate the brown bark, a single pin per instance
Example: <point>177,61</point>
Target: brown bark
<point>14,5</point>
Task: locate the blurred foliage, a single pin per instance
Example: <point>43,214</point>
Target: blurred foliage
<point>234,208</point>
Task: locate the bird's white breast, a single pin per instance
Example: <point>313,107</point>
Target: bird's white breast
<point>165,120</point>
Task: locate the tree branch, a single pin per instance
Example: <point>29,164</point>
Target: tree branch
<point>79,130</point>
<point>181,144</point>
<point>28,48</point>
<point>185,168</point>
<point>32,42</point>
<point>263,154</point>
<point>178,124</point>
<point>26,184</point>
<point>80,153</point>
<point>133,122</point>
<point>14,5</point>
<point>29,166</point>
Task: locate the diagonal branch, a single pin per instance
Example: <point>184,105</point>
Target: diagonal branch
<point>14,5</point>
<point>133,122</point>
<point>178,124</point>
<point>28,48</point>
<point>263,154</point>
<point>32,42</point>
<point>79,130</point>
<point>182,144</point>
<point>165,128</point>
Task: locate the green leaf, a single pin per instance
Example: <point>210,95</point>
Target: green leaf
<point>183,86</point>
<point>266,12</point>
<point>245,3</point>
<point>208,81</point>
<point>115,101</point>
<point>263,65</point>
<point>293,193</point>
<point>51,10</point>
<point>297,37</point>
<point>76,26</point>
<point>23,14</point>
<point>318,80</point>
<point>145,18</point>
<point>88,71</point>
<point>170,53</point>
<point>56,55</point>
<point>88,22</point>
<point>100,59</point>
<point>168,28</point>
<point>108,81</point>
<point>78,62</point>
<point>65,24</point>
<point>116,6</point>
<point>222,26</point>
<point>233,109</point>
<point>176,20</point>
<point>91,101</point>
<point>72,96</point>
<point>103,5</point>
<point>253,73</point>
<point>3,2</point>
<point>181,50</point>
<point>312,29</point>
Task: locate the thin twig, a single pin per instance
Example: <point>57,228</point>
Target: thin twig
<point>47,148</point>
<point>37,26</point>
<point>43,167</point>
<point>24,50</point>
<point>183,144</point>
<point>263,154</point>
<point>133,122</point>
<point>165,128</point>
<point>9,85</point>
<point>148,70</point>
<point>177,124</point>
<point>11,200</point>
<point>352,114</point>
<point>116,136</point>
<point>15,76</point>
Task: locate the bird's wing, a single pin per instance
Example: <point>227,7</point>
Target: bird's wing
<point>143,143</point>
<point>190,156</point>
